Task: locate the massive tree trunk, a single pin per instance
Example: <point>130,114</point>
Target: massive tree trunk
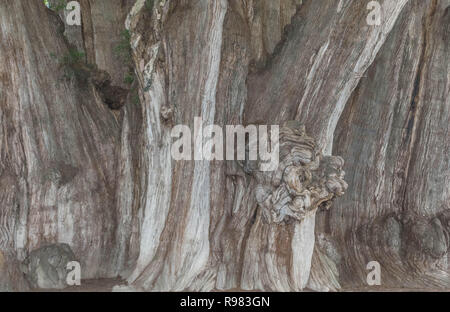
<point>85,142</point>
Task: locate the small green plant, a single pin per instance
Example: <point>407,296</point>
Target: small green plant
<point>73,57</point>
<point>123,49</point>
<point>129,78</point>
<point>149,4</point>
<point>135,98</point>
<point>56,6</point>
<point>74,65</point>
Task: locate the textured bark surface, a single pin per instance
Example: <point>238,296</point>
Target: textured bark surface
<point>398,210</point>
<point>102,180</point>
<point>59,147</point>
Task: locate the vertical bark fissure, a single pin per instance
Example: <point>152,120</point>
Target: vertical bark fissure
<point>416,103</point>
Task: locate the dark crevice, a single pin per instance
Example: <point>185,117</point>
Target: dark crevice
<point>113,96</point>
<point>245,241</point>
<point>267,61</point>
